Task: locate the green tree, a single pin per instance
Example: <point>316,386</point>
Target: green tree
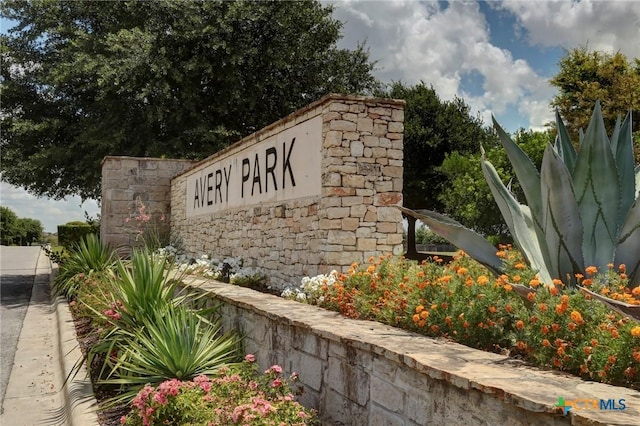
<point>586,76</point>
<point>432,129</point>
<point>8,223</point>
<point>468,198</point>
<point>30,231</point>
<point>82,80</point>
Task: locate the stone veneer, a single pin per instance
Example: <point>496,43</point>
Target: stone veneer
<point>352,218</point>
<point>128,181</point>
<point>365,373</point>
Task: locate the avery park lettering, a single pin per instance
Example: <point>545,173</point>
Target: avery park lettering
<point>282,167</point>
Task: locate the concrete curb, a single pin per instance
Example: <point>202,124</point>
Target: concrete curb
<point>80,403</point>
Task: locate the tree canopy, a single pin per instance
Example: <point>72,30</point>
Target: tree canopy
<point>82,80</point>
<point>20,231</point>
<point>586,76</point>
<point>432,129</point>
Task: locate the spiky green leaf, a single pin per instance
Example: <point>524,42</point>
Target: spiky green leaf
<point>564,146</point>
<point>466,239</point>
<point>561,220</point>
<point>597,189</point>
<point>628,250</point>
<point>519,221</point>
<point>622,145</point>
<point>525,170</point>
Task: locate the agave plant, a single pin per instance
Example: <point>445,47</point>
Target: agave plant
<point>583,208</point>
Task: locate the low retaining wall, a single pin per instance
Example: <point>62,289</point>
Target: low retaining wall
<point>365,373</point>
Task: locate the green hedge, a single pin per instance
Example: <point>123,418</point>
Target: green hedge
<point>73,232</point>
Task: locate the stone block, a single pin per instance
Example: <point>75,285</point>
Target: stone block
<point>392,171</point>
<point>344,125</point>
<point>338,106</point>
<point>341,237</point>
<point>351,136</point>
<point>380,130</point>
<point>332,138</point>
<point>395,154</point>
<point>396,127</point>
<point>388,214</point>
<point>357,149</point>
<point>358,210</point>
<point>369,244</point>
<point>365,124</point>
<point>353,181</point>
<point>384,112</point>
<point>338,212</point>
<point>350,224</point>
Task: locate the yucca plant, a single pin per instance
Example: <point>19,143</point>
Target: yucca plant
<point>583,208</point>
<point>174,342</point>
<point>88,256</point>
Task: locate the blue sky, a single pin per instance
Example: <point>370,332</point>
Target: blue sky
<point>497,56</point>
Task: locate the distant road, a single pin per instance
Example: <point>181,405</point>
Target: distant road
<point>17,272</point>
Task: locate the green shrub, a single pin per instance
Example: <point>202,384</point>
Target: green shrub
<point>73,232</point>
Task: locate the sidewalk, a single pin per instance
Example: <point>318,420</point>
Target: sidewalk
<point>46,352</point>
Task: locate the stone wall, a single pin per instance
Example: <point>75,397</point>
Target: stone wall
<point>351,155</point>
<point>365,373</point>
<point>128,184</point>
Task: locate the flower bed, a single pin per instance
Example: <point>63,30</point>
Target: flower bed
<point>547,326</point>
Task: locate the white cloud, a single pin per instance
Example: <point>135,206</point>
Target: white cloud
<point>604,25</point>
<point>421,41</point>
<point>50,213</point>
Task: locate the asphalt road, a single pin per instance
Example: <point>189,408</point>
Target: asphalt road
<point>17,273</point>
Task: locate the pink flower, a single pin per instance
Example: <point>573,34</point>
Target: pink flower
<point>276,383</point>
<point>123,420</point>
<point>160,398</point>
<point>274,369</point>
<point>302,415</point>
<point>250,358</point>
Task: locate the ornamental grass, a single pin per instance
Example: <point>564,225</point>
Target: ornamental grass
<point>551,327</point>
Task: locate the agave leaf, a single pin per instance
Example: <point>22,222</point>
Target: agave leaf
<point>626,309</point>
<point>561,220</point>
<point>564,146</point>
<point>597,188</point>
<point>525,170</point>
<point>628,250</point>
<point>519,221</point>
<point>468,240</point>
<point>622,144</point>
<point>637,181</point>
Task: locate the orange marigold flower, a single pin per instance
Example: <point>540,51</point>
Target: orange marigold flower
<point>482,280</point>
<point>462,271</point>
<point>636,356</point>
<point>534,283</point>
<point>434,306</point>
<point>556,282</point>
<point>435,328</point>
<point>623,276</point>
<point>501,253</point>
<point>611,359</point>
<point>591,270</point>
<point>520,266</point>
<point>553,291</point>
<point>635,331</point>
<point>521,345</point>
<point>610,265</point>
<point>542,307</point>
<point>416,318</point>
<point>545,329</point>
<point>557,362</point>
<point>424,315</point>
<point>605,291</point>
<point>579,276</point>
<point>516,278</point>
<point>560,351</point>
<point>444,305</point>
<point>561,308</point>
<point>572,326</point>
<point>576,317</point>
<point>558,342</point>
<point>465,324</point>
<point>546,343</point>
<point>587,282</point>
<point>371,269</point>
<point>587,350</point>
<point>508,308</point>
<point>622,267</point>
<point>519,324</point>
<point>636,291</point>
<point>531,296</point>
<point>594,342</point>
<point>555,327</point>
<point>533,319</point>
<point>614,333</point>
<point>493,309</point>
<point>508,287</point>
<point>422,323</point>
<point>419,309</point>
<point>564,299</point>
